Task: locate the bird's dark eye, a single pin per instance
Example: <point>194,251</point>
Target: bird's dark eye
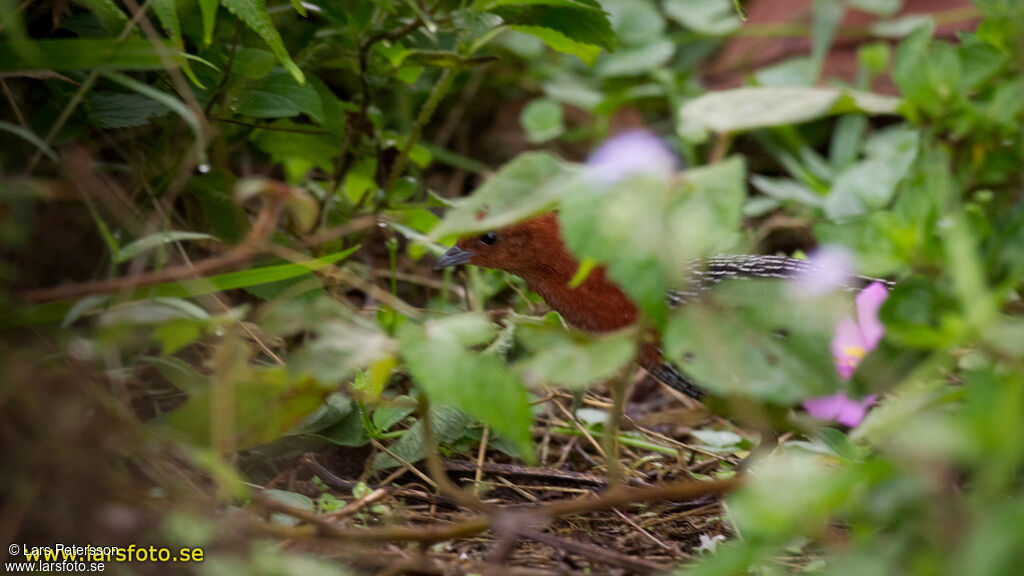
<point>488,239</point>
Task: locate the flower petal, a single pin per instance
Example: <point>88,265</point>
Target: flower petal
<point>832,266</point>
<point>869,302</point>
<point>852,412</point>
<point>848,347</point>
<point>826,407</point>
<point>632,153</point>
<point>839,407</point>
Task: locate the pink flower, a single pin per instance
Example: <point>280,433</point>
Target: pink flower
<point>854,339</point>
<point>633,153</point>
<point>850,344</point>
<point>831,269</point>
<point>839,407</point>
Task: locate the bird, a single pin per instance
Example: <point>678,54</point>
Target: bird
<point>535,251</point>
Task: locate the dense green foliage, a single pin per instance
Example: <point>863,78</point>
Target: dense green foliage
<point>325,145</point>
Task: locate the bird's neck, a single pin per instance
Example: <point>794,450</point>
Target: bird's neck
<point>596,305</point>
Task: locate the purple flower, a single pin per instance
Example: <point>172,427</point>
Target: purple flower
<point>839,407</point>
<point>854,339</point>
<point>830,270</point>
<point>637,152</point>
<point>850,344</point>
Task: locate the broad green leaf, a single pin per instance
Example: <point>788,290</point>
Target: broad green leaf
<point>259,104</point>
<point>635,22</point>
<point>392,411</point>
<point>171,102</point>
<point>871,184</point>
<point>743,109</point>
<point>252,63</point>
<point>646,230</point>
<point>636,61</point>
<point>480,385</point>
<point>711,17</point>
<point>791,494</point>
<point>174,335</point>
<point>584,26</point>
<point>293,499</point>
<point>523,187</point>
<point>254,14</point>
<point>732,346</point>
<point>167,13</point>
<point>85,53</point>
<point>572,359</point>
<point>296,151</point>
<point>543,120</point>
<point>160,238</point>
<point>278,95</point>
<point>787,190</point>
<point>335,407</point>
<point>447,423</point>
<point>559,42</point>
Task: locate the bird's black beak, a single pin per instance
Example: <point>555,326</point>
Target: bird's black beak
<point>453,257</point>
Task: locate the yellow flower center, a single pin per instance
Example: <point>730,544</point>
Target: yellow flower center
<point>855,352</point>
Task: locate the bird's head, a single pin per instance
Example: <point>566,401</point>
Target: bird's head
<point>520,248</point>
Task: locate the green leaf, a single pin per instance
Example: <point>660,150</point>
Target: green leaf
<point>646,230</point>
<point>264,105</point>
<point>393,411</point>
<point>731,346</point>
<point>710,17</point>
<point>559,42</point>
<point>85,53</point>
<point>167,12</point>
<point>278,95</point>
<point>787,190</point>
<point>572,359</point>
<point>171,102</point>
<point>108,13</point>
<point>208,8</point>
<point>447,423</point>
<point>637,61</point>
<point>141,245</point>
<point>480,385</point>
<point>579,4</point>
<point>297,5</point>
<point>871,184</point>
<point>252,63</point>
<point>176,334</point>
<point>635,22</point>
<point>30,137</point>
<point>296,151</point>
<point>254,14</point>
<point>262,404</point>
<point>116,110</point>
<point>293,499</point>
<point>244,278</point>
<point>151,311</point>
<point>523,187</point>
<point>543,120</point>
<point>744,109</point>
<point>583,26</point>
